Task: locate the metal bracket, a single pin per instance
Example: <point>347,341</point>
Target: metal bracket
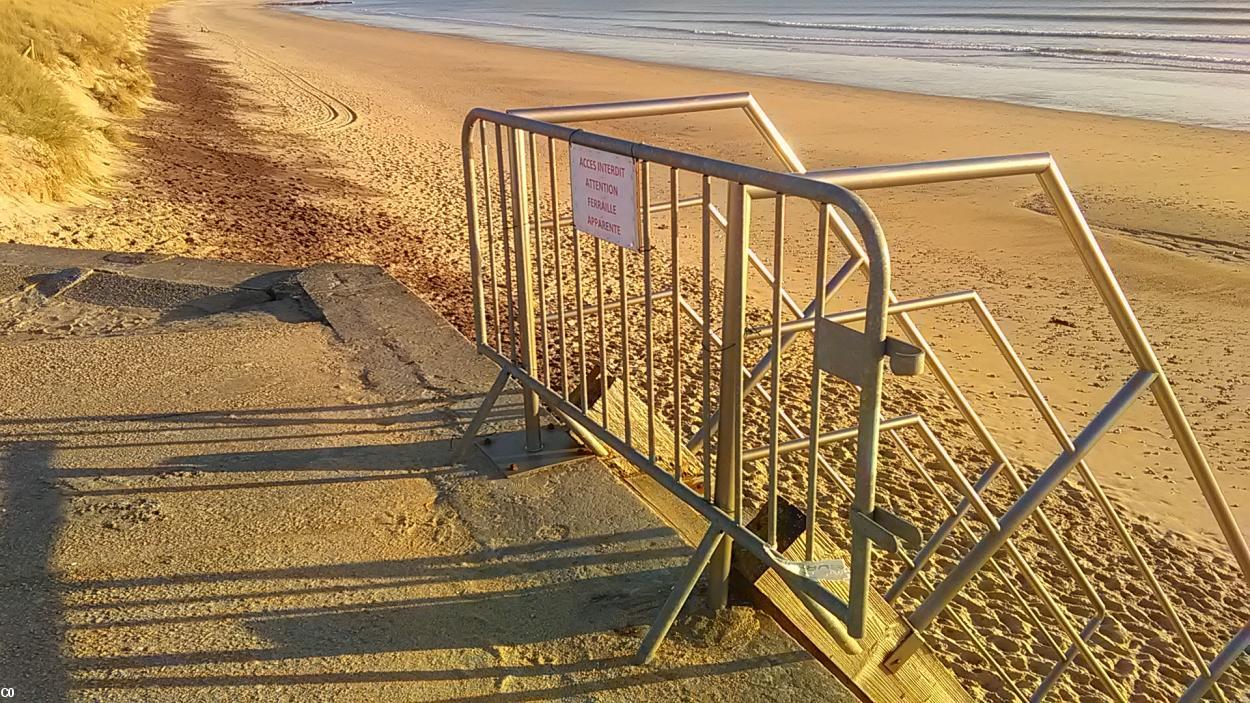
<point>909,534</point>
<point>850,355</point>
<point>906,359</point>
<point>508,453</point>
<point>909,646</point>
<point>886,530</point>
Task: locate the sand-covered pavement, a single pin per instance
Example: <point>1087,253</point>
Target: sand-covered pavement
<point>217,485</point>
<point>280,138</point>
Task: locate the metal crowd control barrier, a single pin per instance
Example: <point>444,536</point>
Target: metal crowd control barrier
<point>519,337</point>
<point>533,318</point>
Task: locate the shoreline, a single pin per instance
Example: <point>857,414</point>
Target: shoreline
<point>293,11</point>
<point>297,10</point>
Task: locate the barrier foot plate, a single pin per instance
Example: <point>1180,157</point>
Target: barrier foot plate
<point>507,450</point>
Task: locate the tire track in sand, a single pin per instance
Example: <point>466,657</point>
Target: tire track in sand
<point>1193,245</point>
<point>336,114</point>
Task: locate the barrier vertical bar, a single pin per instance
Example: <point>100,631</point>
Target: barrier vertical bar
<point>525,303</point>
<point>706,212</point>
<point>581,317</point>
<point>813,451</point>
<point>729,442</point>
<point>876,320</point>
<point>676,286</point>
<point>479,303</point>
<point>475,253</point>
<point>603,330</point>
<point>555,243</point>
<point>644,192</point>
<point>536,205</point>
<point>626,388</point>
<point>779,224</point>
<point>501,168</point>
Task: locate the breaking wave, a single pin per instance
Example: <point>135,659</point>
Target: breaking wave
<point>1136,56</point>
<point>1016,32</point>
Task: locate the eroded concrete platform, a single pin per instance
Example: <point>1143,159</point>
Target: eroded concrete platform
<point>222,481</point>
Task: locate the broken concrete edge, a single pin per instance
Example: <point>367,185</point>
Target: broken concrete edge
<point>208,285</point>
<point>212,273</point>
<point>385,321</point>
<point>395,318</point>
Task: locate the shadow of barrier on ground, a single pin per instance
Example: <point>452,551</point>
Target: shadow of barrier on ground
<point>319,611</point>
<point>611,683</point>
<point>481,620</point>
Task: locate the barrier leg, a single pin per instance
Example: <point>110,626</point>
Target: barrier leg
<point>479,419</point>
<point>681,593</point>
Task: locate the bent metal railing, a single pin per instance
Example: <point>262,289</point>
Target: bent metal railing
<point>528,356</point>
<point>1149,376</point>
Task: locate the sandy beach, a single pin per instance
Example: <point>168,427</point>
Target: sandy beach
<point>281,138</point>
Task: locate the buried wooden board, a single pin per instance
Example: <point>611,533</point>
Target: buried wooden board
<point>922,679</point>
<point>639,428</point>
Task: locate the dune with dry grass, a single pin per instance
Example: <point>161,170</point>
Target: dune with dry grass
<point>68,70</point>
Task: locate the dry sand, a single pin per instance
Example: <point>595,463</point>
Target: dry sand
<point>282,138</point>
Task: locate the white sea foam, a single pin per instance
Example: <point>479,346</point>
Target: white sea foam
<point>1016,32</point>
<point>1162,58</point>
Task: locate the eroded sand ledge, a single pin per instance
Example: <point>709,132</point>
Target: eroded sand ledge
<point>282,138</point>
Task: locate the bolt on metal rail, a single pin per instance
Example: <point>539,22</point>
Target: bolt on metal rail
<point>549,311</point>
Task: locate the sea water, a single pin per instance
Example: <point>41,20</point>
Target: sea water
<point>1182,61</point>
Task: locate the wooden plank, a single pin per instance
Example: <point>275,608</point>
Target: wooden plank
<point>922,679</point>
<point>639,414</point>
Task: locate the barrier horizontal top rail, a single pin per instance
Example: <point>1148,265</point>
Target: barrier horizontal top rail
<point>928,172</point>
<point>636,108</point>
<point>751,176</point>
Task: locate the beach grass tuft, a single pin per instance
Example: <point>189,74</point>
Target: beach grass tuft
<point>67,68</point>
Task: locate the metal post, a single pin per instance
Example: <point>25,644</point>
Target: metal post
<point>490,233</point>
<point>475,255</point>
<point>729,446</point>
<point>813,435</point>
<point>524,277</point>
<point>706,325</point>
<point>774,406</point>
<point>876,320</point>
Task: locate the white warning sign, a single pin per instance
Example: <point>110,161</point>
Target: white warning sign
<point>605,195</point>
